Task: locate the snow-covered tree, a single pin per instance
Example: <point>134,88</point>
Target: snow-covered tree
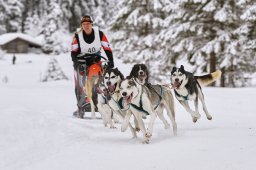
<point>3,17</point>
<point>134,29</point>
<point>247,32</point>
<point>33,25</point>
<point>54,72</point>
<point>100,10</point>
<point>51,26</point>
<point>205,33</point>
<point>14,15</point>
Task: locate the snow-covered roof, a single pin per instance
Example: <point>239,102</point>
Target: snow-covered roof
<point>6,38</point>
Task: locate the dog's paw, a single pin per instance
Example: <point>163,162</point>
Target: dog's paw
<point>137,129</point>
<point>194,119</point>
<point>209,117</point>
<point>112,127</point>
<point>145,141</point>
<point>116,121</point>
<point>148,135</point>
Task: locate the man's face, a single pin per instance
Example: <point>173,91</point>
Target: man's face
<point>87,27</point>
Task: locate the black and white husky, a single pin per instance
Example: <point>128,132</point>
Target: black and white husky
<point>160,96</point>
<point>112,79</point>
<point>143,100</point>
<point>188,87</point>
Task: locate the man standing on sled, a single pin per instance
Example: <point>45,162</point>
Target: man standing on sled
<point>86,49</point>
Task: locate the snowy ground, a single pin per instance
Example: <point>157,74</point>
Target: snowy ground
<point>38,132</point>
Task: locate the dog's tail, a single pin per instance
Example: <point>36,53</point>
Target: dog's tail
<point>208,78</point>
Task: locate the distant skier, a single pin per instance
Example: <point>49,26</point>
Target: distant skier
<point>13,59</point>
<point>87,41</point>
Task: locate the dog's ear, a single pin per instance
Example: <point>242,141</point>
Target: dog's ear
<point>133,71</point>
<point>173,69</point>
<point>120,83</point>
<point>128,77</point>
<point>121,75</point>
<point>182,67</point>
<point>131,82</point>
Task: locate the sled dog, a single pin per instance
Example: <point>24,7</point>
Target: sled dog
<point>141,100</point>
<point>103,106</point>
<point>160,97</point>
<point>188,87</point>
<point>112,79</point>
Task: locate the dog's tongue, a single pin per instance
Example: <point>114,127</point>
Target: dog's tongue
<point>176,84</point>
<point>128,99</point>
<point>111,88</point>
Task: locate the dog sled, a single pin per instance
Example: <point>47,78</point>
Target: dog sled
<point>89,66</point>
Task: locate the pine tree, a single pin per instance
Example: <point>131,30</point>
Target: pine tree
<point>54,72</point>
<point>33,24</point>
<point>205,33</point>
<point>51,26</point>
<point>3,18</point>
<point>14,16</point>
<point>134,29</point>
<point>247,32</point>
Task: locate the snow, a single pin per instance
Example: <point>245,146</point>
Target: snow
<point>7,37</point>
<point>37,130</point>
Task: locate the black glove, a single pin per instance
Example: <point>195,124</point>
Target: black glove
<point>110,64</point>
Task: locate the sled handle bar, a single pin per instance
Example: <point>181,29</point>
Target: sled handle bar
<point>85,56</point>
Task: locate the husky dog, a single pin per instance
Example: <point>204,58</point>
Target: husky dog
<point>103,107</point>
<point>188,87</point>
<point>160,96</point>
<point>112,79</point>
<point>141,100</point>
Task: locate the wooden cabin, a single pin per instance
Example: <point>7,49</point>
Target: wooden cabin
<point>18,43</point>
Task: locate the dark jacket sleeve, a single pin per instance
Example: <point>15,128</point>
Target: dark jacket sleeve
<point>75,48</point>
<point>106,47</point>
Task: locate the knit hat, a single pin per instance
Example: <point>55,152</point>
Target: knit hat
<point>86,18</point>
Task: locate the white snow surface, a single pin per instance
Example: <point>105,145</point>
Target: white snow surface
<point>38,132</point>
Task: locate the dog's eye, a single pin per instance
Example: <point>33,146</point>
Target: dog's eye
<point>121,88</point>
<point>106,77</point>
<point>174,74</point>
<point>128,87</point>
<point>180,74</point>
<point>113,77</point>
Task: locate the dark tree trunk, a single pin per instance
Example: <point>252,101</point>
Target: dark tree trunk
<point>222,79</point>
<point>212,64</point>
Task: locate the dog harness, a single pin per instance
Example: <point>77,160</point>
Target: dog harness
<point>184,97</point>
<point>140,108</point>
<point>160,95</point>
